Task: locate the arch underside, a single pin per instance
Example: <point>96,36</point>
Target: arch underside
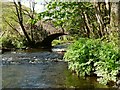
<point>48,40</point>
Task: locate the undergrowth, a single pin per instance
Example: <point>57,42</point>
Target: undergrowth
<point>87,56</point>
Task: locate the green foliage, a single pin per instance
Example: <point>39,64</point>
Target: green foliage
<point>6,42</point>
<point>69,15</point>
<point>56,42</point>
<point>93,55</point>
<point>32,21</point>
<point>78,18</point>
<point>19,42</point>
<point>11,37</point>
<point>13,41</point>
<point>8,12</point>
<point>63,39</point>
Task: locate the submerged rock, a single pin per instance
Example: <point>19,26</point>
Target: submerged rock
<point>30,58</point>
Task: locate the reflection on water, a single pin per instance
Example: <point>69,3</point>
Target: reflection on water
<point>40,69</point>
<point>39,75</point>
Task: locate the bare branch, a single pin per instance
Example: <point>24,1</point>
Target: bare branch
<point>20,11</point>
<point>14,19</point>
<point>2,33</point>
<point>16,6</point>
<point>27,13</point>
<point>11,26</point>
<point>24,10</point>
<point>45,2</point>
<point>15,13</point>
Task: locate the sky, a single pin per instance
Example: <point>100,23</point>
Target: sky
<point>38,7</point>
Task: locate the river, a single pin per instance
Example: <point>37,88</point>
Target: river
<point>38,68</point>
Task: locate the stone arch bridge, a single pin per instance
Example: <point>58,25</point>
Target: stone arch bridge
<point>45,32</point>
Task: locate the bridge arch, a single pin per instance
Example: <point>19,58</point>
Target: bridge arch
<point>47,42</point>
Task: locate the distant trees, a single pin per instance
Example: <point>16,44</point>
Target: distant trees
<point>21,16</point>
<point>84,19</point>
<point>9,18</point>
<point>15,18</point>
<point>80,19</point>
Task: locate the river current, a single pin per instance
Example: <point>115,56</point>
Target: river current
<point>40,69</point>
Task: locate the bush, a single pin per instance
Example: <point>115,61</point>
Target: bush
<point>19,42</point>
<point>6,42</point>
<point>93,55</point>
<point>13,42</point>
<point>56,42</point>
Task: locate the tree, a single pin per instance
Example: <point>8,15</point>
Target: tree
<point>85,19</point>
<point>103,10</point>
<point>19,16</point>
<point>31,13</point>
<point>16,18</point>
<point>74,17</point>
<point>18,7</point>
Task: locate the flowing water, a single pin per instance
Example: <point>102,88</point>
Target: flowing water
<point>40,69</point>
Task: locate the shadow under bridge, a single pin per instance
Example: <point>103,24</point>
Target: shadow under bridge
<point>47,42</point>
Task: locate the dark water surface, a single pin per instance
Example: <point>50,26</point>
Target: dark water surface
<point>40,69</point>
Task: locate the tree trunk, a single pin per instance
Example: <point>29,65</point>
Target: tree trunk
<point>114,17</point>
<point>103,10</point>
<point>20,19</point>
<point>86,24</point>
